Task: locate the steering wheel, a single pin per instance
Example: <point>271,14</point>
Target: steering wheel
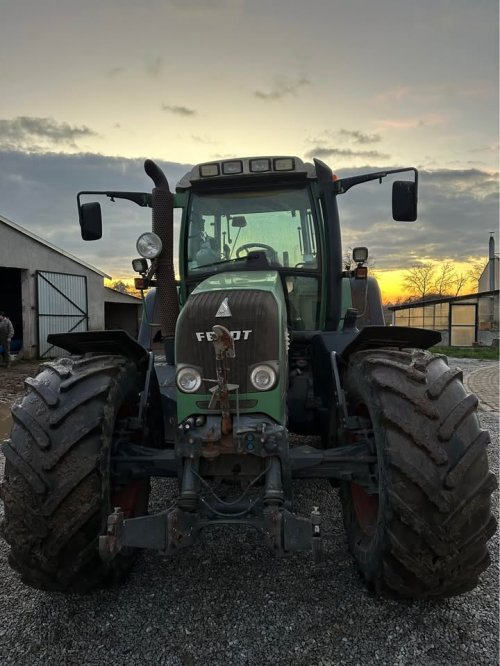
<point>272,257</point>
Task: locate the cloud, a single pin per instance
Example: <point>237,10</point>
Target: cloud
<point>115,71</point>
<point>475,183</point>
<point>178,110</point>
<point>427,120</point>
<point>326,145</point>
<point>436,93</point>
<point>204,139</point>
<point>358,137</point>
<point>394,95</point>
<point>457,209</point>
<point>493,147</point>
<point>39,191</point>
<point>154,65</point>
<point>282,87</point>
<point>323,151</point>
<point>206,5</point>
<point>26,133</point>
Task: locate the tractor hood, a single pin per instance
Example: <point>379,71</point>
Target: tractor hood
<point>251,306</point>
<point>261,280</point>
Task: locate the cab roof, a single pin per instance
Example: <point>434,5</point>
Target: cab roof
<point>246,169</point>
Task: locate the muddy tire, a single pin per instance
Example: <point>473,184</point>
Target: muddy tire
<point>57,489</point>
<point>424,536</point>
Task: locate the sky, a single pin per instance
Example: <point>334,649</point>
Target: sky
<point>90,89</point>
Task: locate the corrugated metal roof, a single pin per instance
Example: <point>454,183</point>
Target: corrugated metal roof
<point>115,296</point>
<point>36,238</point>
<point>443,299</point>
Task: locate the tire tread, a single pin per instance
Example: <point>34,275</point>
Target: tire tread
<point>433,529</point>
<point>56,481</point>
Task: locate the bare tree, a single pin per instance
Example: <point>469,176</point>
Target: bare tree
<point>475,272</point>
<point>419,280</point>
<point>123,287</point>
<point>449,282</point>
<point>445,279</point>
<point>347,259</point>
<point>119,285</point>
<point>461,279</point>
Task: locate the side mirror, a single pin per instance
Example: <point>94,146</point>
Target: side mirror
<point>90,221</point>
<point>404,201</point>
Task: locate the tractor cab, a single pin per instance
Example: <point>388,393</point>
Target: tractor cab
<point>258,228</point>
<point>279,214</point>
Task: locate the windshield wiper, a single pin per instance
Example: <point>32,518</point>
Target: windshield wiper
<point>225,261</point>
<point>251,256</point>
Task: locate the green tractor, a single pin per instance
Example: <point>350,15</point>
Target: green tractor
<point>265,334</point>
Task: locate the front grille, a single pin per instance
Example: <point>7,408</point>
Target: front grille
<point>254,316</point>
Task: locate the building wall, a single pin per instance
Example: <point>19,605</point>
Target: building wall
<point>481,328</point>
<point>122,316</point>
<point>484,280</point>
<point>18,250</point>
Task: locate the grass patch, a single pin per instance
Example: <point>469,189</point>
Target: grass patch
<point>479,353</point>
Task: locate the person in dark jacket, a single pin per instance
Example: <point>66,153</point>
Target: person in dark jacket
<point>6,335</point>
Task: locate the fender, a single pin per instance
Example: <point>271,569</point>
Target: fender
<point>100,342</point>
<point>120,342</point>
<point>345,343</point>
<point>146,330</point>
<point>366,298</point>
<point>378,337</point>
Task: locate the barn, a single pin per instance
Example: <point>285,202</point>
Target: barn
<point>44,289</point>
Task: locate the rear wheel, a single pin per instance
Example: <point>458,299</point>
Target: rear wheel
<point>58,490</point>
<point>424,534</point>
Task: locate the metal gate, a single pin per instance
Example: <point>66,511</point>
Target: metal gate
<point>62,307</point>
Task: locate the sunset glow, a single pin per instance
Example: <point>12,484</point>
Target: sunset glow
<point>189,81</point>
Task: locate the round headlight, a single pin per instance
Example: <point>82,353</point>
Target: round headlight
<point>263,377</point>
<point>149,245</point>
<point>188,380</point>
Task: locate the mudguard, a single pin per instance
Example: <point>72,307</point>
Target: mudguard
<point>100,342</point>
<point>402,337</point>
<point>345,343</point>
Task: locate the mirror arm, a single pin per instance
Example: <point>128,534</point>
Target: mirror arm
<point>343,184</point>
<point>140,198</point>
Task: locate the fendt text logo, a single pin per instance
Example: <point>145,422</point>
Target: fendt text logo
<point>210,335</point>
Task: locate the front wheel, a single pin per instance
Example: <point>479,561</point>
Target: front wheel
<point>424,534</point>
<point>58,489</point>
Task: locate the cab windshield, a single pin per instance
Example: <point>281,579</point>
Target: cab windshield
<point>223,227</point>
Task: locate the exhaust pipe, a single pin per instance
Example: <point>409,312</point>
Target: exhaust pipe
<point>491,261</point>
<point>163,226</point>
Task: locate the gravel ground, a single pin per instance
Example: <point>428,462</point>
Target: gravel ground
<point>228,602</point>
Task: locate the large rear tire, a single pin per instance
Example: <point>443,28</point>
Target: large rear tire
<point>57,489</point>
<point>424,535</point>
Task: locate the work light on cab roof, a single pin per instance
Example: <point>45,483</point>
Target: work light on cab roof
<point>246,166</point>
